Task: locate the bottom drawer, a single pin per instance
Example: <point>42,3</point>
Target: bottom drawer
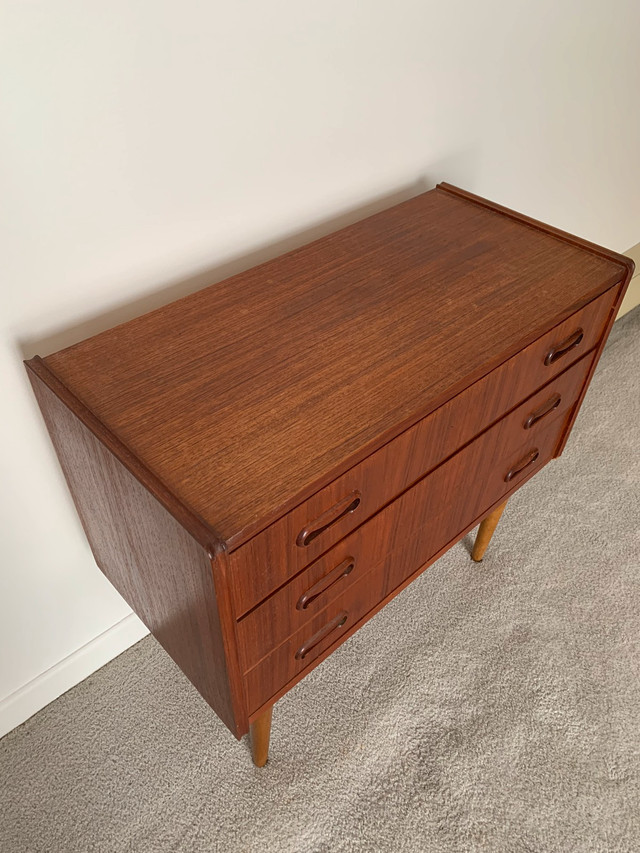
<point>437,510</point>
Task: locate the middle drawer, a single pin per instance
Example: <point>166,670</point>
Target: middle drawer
<point>424,519</point>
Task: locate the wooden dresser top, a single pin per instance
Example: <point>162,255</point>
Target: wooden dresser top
<point>244,398</point>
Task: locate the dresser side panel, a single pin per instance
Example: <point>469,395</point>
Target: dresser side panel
<point>154,563</point>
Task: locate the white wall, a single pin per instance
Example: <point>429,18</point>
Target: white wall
<point>632,296</point>
<point>146,141</point>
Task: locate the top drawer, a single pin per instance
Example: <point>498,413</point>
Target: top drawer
<point>289,544</point>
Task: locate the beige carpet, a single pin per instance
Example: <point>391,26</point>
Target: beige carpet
<point>491,707</point>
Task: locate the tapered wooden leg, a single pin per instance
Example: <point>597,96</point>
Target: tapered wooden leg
<point>259,733</point>
<point>485,533</point>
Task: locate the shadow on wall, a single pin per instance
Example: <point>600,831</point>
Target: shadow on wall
<point>167,293</point>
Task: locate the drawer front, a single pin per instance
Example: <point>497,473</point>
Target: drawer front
<point>421,521</point>
<point>439,518</point>
<point>281,550</point>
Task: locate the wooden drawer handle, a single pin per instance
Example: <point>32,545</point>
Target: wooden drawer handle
<point>552,403</point>
<point>337,622</point>
<point>522,464</point>
<point>337,511</point>
<point>563,348</point>
<point>340,571</point>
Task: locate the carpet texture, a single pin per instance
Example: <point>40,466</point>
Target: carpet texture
<point>490,707</point>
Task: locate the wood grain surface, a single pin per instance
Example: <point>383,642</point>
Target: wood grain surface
<point>416,525</point>
<point>261,465</point>
<point>153,562</point>
<point>402,461</point>
<point>246,397</point>
<point>406,535</point>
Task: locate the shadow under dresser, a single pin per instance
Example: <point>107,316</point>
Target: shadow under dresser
<point>260,466</point>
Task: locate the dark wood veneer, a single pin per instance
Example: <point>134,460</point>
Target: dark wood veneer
<point>280,670</point>
<point>313,332</point>
<point>151,559</point>
<point>463,485</point>
<point>259,467</point>
<point>398,464</point>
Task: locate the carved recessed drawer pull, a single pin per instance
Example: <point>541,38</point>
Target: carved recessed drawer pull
<point>563,348</point>
<point>527,460</point>
<point>340,571</point>
<point>344,507</point>
<point>546,408</point>
<point>337,622</point>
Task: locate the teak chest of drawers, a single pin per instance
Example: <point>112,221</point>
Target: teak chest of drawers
<point>260,466</point>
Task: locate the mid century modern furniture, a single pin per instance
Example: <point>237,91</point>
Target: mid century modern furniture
<point>260,466</point>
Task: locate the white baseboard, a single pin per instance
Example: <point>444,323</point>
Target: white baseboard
<point>62,676</point>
